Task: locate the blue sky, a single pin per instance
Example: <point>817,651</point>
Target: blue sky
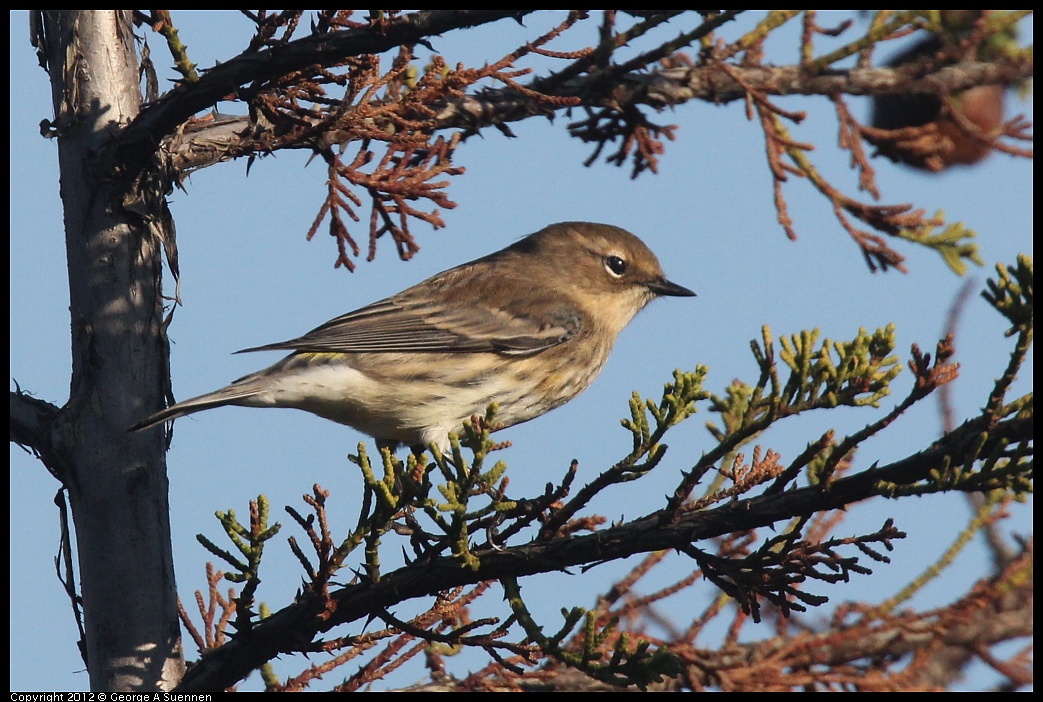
<point>249,278</point>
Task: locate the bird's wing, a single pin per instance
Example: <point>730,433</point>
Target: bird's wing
<point>410,323</point>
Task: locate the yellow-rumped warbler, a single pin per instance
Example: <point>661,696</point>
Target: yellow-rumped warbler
<point>528,328</point>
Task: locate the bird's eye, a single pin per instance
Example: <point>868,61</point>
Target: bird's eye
<point>615,265</point>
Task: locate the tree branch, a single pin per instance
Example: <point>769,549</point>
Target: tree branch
<point>287,630</point>
<point>668,87</point>
<point>30,418</point>
<point>31,421</point>
<point>161,118</point>
<point>997,610</point>
<point>204,144</point>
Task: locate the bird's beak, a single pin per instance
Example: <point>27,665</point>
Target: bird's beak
<point>665,287</point>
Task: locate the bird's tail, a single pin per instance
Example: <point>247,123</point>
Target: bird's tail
<point>230,395</point>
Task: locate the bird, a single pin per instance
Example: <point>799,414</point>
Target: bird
<point>528,327</point>
<point>930,133</point>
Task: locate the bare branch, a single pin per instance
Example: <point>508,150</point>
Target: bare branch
<point>203,143</point>
<point>163,117</point>
<point>31,420</point>
<point>712,83</point>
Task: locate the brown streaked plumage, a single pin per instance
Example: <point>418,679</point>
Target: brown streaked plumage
<point>528,327</point>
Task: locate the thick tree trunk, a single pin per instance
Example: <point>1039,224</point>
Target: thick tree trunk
<point>116,480</point>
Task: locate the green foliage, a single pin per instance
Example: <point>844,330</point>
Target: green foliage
<point>404,492</point>
<point>1012,294</point>
<point>953,243</point>
<point>994,464</point>
<point>628,664</point>
<point>466,483</point>
<point>856,373</point>
<point>676,405</point>
<point>249,541</point>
